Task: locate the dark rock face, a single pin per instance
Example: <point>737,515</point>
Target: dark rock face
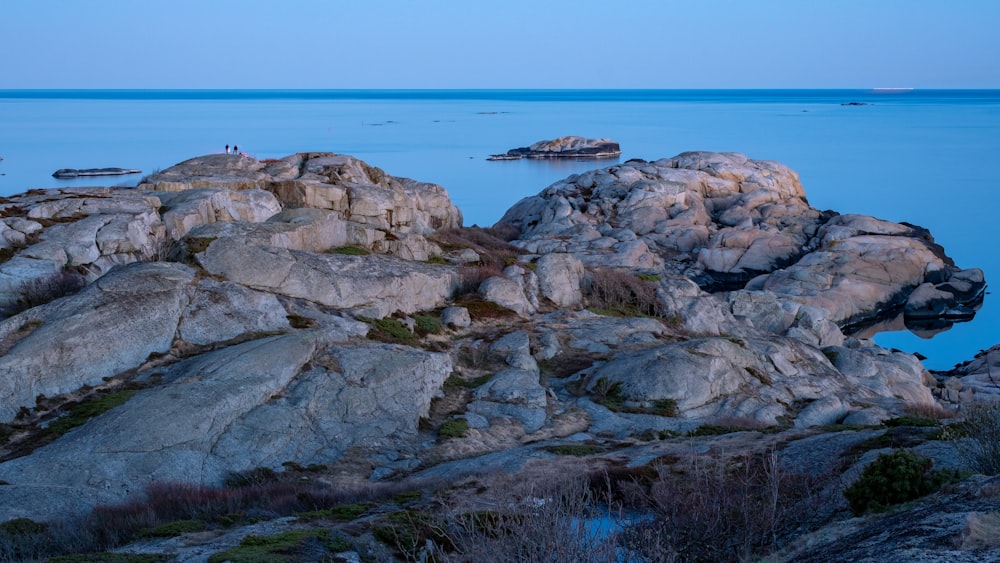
<point>564,147</point>
<point>76,173</point>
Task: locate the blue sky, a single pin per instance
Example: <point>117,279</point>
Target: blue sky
<point>499,44</point>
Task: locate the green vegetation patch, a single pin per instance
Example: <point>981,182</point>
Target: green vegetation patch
<point>22,526</point>
<point>173,529</point>
<point>407,496</point>
<point>454,428</point>
<point>578,450</point>
<point>714,430</point>
<point>894,478</point>
<point>351,250</point>
<point>610,395</point>
<point>295,545</point>
<point>911,421</point>
<point>80,413</point>
<point>389,330</point>
<point>346,512</point>
<point>428,324</point>
<point>456,381</point>
<point>113,558</point>
<point>407,531</point>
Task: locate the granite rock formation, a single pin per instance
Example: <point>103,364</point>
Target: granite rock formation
<point>309,310</point>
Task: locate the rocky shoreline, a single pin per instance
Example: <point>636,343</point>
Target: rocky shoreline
<point>314,310</point>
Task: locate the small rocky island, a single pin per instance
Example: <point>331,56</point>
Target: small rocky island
<point>564,147</point>
<point>68,173</point>
<point>313,350</point>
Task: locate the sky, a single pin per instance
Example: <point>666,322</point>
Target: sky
<point>447,44</point>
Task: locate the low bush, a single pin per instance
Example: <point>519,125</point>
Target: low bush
<point>351,251</point>
<point>560,522</point>
<point>981,449</point>
<point>454,428</point>
<point>340,512</point>
<point>294,545</point>
<point>80,413</point>
<point>610,395</point>
<point>578,450</point>
<point>894,478</point>
<point>388,330</point>
<point>428,324</point>
<point>911,421</point>
<point>251,477</point>
<point>621,293</point>
<point>173,529</point>
<point>40,291</point>
<point>177,506</point>
<point>736,509</point>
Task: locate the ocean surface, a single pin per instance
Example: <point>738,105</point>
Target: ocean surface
<point>920,156</point>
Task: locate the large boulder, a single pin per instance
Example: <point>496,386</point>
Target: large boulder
<point>374,209</point>
<point>729,222</point>
<point>305,397</point>
<point>111,326</point>
<point>372,285</point>
<point>92,230</point>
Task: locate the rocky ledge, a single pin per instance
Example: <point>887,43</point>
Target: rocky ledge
<point>237,315</point>
<point>564,147</point>
<point>67,173</point>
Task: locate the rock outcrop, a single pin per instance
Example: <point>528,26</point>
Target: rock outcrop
<point>307,311</point>
<point>564,147</point>
<point>728,222</point>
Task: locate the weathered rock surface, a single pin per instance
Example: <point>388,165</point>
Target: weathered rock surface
<point>729,222</point>
<point>977,379</point>
<point>564,147</point>
<point>307,396</point>
<point>365,203</point>
<point>235,295</point>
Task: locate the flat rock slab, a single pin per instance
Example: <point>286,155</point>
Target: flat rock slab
<point>76,173</point>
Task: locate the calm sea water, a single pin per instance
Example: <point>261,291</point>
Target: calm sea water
<point>924,157</point>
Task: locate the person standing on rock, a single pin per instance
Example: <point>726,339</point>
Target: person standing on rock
<point>227,149</point>
<point>236,150</point>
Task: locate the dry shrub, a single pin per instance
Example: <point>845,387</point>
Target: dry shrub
<point>558,523</point>
<point>982,531</point>
<point>492,244</point>
<point>981,450</point>
<point>470,277</point>
<point>40,291</point>
<point>110,526</point>
<point>931,411</point>
<point>733,510</point>
<point>623,293</point>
